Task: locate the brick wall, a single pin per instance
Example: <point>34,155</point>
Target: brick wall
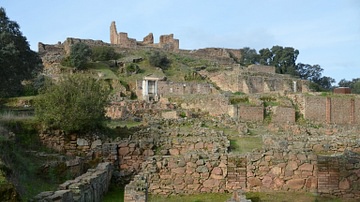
<point>315,108</point>
<point>341,110</point>
<point>283,115</point>
<point>335,110</point>
<point>251,113</point>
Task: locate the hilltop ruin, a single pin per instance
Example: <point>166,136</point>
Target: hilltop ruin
<point>166,42</point>
<point>313,149</point>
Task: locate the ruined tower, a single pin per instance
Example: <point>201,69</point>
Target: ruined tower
<point>113,33</point>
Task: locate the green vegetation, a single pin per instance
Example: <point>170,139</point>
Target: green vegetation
<point>103,53</point>
<point>115,194</point>
<point>79,55</point>
<point>159,59</point>
<point>76,103</point>
<point>242,145</point>
<point>210,197</point>
<point>23,166</point>
<point>291,196</point>
<point>17,61</point>
<point>237,99</point>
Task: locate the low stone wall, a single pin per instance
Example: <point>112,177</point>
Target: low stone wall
<point>90,186</point>
<point>216,105</point>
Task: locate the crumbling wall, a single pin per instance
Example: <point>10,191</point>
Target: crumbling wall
<point>90,186</point>
<point>167,42</point>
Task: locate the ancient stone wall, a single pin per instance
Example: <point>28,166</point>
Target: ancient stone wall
<point>90,186</point>
<point>287,163</point>
<point>182,88</point>
<point>262,68</point>
<point>335,110</point>
<point>126,109</point>
<point>166,42</point>
<point>251,113</point>
<point>315,108</point>
<point>255,80</point>
<point>216,105</point>
<point>283,115</point>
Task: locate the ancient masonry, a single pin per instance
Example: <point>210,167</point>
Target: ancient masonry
<point>90,186</point>
<point>166,42</point>
<point>179,161</point>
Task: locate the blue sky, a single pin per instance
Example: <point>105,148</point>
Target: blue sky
<point>326,32</point>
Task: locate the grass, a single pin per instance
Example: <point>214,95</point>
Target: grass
<point>24,166</point>
<point>115,194</point>
<point>209,197</point>
<point>127,123</point>
<point>290,197</point>
<point>104,69</point>
<point>243,145</point>
<point>254,196</point>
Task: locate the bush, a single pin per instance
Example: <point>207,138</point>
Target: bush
<point>104,53</point>
<point>132,68</point>
<point>159,59</point>
<point>79,55</point>
<point>76,103</point>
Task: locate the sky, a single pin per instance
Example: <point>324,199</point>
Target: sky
<point>326,32</point>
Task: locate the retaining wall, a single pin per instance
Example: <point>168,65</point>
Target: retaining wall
<point>90,186</point>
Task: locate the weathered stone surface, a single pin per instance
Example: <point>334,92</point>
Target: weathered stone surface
<point>344,184</point>
<point>82,142</point>
<point>254,182</point>
<point>306,167</point>
<point>295,184</point>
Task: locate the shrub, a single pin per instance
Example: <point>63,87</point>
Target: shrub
<point>132,68</point>
<point>103,53</point>
<point>79,55</point>
<point>159,59</point>
<point>76,103</point>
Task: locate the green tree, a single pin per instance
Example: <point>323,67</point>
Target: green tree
<point>79,55</point>
<point>159,59</point>
<point>248,56</point>
<point>284,59</point>
<point>103,53</point>
<point>265,56</point>
<point>354,84</point>
<point>17,61</point>
<point>76,103</point>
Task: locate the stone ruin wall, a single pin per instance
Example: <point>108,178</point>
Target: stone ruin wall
<point>91,186</point>
<point>286,163</point>
<point>256,79</point>
<point>333,110</point>
<point>215,105</point>
<point>198,161</point>
<point>166,42</point>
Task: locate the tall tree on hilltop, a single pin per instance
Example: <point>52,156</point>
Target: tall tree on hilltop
<point>284,59</point>
<point>248,56</point>
<point>17,61</point>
